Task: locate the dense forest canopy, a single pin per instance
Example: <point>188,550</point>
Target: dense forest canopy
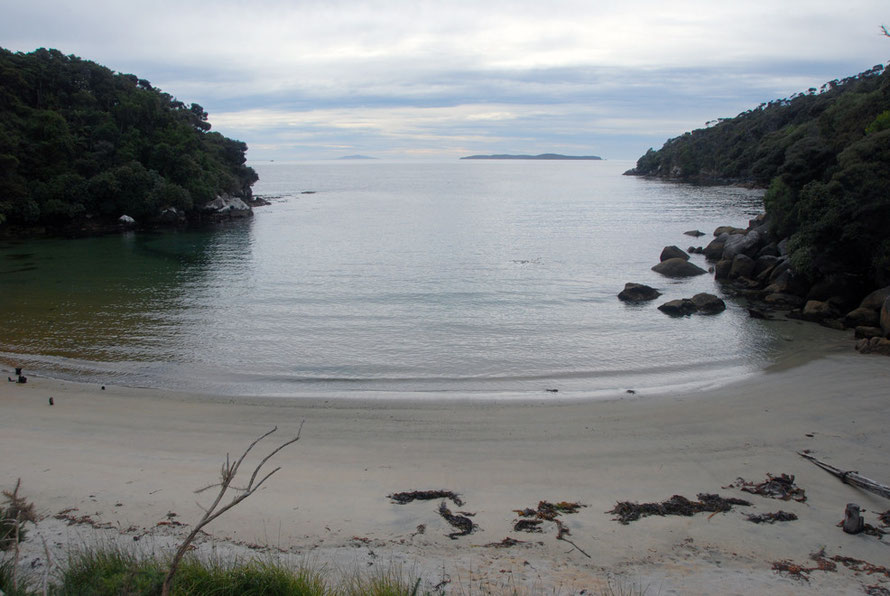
<point>825,156</point>
<point>80,141</point>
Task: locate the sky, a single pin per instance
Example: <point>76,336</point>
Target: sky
<point>305,79</point>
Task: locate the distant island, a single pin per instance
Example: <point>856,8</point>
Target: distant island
<point>545,156</point>
<point>356,157</point>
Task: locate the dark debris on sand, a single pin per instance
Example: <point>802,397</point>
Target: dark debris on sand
<point>771,518</point>
<point>774,487</point>
<point>464,524</point>
<point>676,505</point>
<point>425,495</point>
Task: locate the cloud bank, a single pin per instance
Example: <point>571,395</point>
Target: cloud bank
<point>320,79</point>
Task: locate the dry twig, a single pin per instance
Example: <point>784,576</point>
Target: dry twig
<point>227,476</point>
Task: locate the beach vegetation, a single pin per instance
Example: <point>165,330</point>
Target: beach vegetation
<point>81,143</point>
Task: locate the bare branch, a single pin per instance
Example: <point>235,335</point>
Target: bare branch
<point>227,476</point>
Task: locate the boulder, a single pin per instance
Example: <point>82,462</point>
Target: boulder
<point>874,345</point>
<point>787,283</point>
<point>764,264</point>
<point>638,293</point>
<point>228,206</point>
<point>728,230</point>
<point>738,244</point>
<point>708,304</point>
<point>678,267</point>
<point>171,215</point>
<point>673,252</point>
<point>782,247</point>
<point>885,316</point>
<point>815,310</point>
<point>781,299</point>
<point>694,233</point>
<point>742,266</point>
<point>722,269</point>
<point>843,289</point>
<point>678,308</point>
<point>126,220</point>
<point>714,250</point>
<point>875,300</point>
<point>862,317</point>
<point>866,332</point>
<point>771,249</point>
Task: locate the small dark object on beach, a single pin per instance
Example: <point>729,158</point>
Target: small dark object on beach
<point>464,524</point>
<point>774,487</point>
<point>676,505</point>
<point>528,525</point>
<point>853,522</point>
<point>18,370</point>
<point>631,391</point>
<point>425,495</point>
<point>771,518</point>
<point>552,390</point>
<point>877,590</point>
<point>22,379</point>
<point>505,543</point>
<point>51,402</point>
<point>103,387</point>
<point>11,380</point>
<point>885,518</point>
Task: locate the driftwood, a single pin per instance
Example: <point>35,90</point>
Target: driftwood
<point>850,477</point>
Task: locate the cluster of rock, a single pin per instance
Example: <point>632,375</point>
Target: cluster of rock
<point>752,264</point>
<point>674,262</point>
<point>221,208</point>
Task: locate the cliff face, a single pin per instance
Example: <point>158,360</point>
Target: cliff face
<point>825,156</point>
<point>80,143</point>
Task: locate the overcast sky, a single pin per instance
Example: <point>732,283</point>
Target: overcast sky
<point>417,79</point>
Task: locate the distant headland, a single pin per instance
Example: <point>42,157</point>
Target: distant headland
<point>545,156</point>
<point>356,157</point>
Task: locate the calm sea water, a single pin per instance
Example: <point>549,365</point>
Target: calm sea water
<point>372,278</point>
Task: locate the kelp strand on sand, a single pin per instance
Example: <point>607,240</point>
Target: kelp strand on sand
<point>771,518</point>
<point>774,487</point>
<point>464,525</point>
<point>404,498</point>
<point>627,512</point>
<point>547,511</point>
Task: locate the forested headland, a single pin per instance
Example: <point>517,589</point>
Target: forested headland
<point>81,146</point>
<point>824,155</point>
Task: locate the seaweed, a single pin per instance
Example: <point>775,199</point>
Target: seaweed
<point>774,487</point>
<point>547,511</point>
<point>771,518</point>
<point>464,524</point>
<point>404,498</point>
<point>528,525</point>
<point>505,543</point>
<point>676,505</point>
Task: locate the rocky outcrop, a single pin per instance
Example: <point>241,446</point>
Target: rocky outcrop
<point>815,310</point>
<point>714,250</point>
<point>742,266</point>
<point>694,233</point>
<point>862,317</point>
<point>126,221</point>
<point>227,206</point>
<point>885,316</point>
<point>634,292</point>
<point>741,244</point>
<point>673,252</point>
<point>678,267</point>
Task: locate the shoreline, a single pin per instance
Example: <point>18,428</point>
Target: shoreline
<point>130,457</point>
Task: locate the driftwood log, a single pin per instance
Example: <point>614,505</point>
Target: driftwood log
<point>851,477</point>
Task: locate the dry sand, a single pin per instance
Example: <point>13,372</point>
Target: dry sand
<point>129,457</point>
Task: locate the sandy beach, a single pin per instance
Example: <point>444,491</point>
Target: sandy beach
<point>132,458</point>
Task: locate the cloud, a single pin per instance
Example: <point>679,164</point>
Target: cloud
<point>410,74</point>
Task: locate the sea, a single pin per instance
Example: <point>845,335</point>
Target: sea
<point>369,279</point>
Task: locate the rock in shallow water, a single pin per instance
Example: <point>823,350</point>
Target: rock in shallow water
<point>634,292</point>
<point>678,267</point>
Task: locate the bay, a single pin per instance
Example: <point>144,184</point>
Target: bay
<point>371,278</point>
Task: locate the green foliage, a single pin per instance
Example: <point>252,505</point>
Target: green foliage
<point>14,514</point>
<point>77,140</point>
<point>826,158</point>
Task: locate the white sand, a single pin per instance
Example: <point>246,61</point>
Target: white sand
<point>129,457</point>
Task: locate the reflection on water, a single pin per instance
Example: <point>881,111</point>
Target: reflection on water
<point>465,276</point>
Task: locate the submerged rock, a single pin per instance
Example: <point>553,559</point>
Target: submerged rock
<point>634,292</point>
<point>708,304</point>
<point>678,267</point>
<point>678,308</point>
